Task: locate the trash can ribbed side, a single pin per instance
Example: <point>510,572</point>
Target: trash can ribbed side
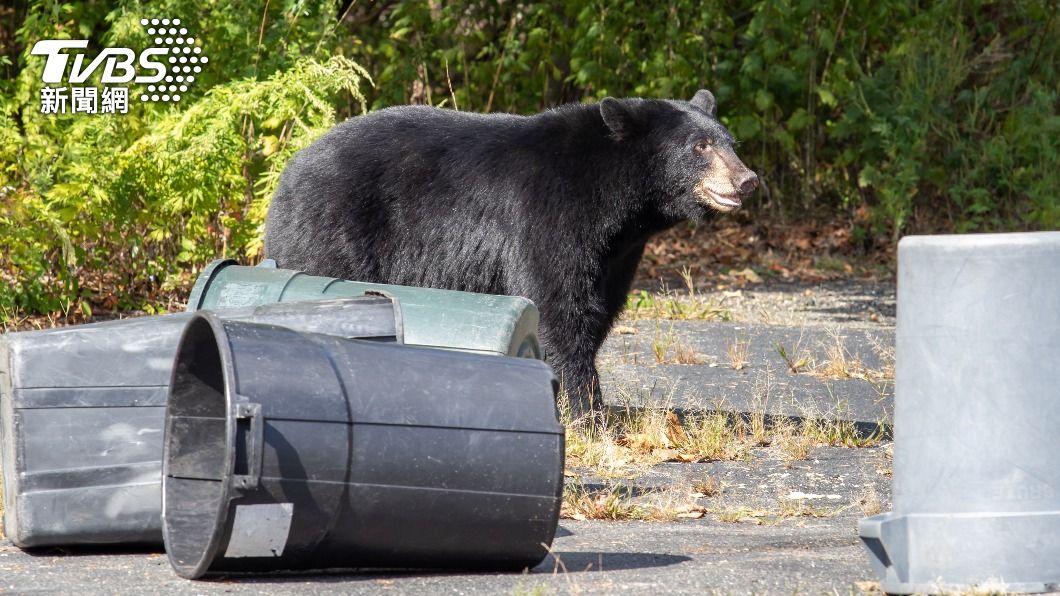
<point>82,410</point>
<point>287,450</point>
<point>489,324</point>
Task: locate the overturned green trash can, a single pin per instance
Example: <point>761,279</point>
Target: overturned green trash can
<point>82,412</point>
<point>482,323</point>
<point>287,450</point>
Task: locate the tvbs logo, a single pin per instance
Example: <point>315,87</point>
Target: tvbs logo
<point>167,69</point>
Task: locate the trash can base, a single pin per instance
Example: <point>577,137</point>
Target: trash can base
<point>959,553</point>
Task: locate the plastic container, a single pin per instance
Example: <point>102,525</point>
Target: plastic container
<point>82,411</point>
<point>977,408</point>
<point>286,450</point>
<point>486,324</point>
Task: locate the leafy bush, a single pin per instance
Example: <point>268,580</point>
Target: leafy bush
<point>961,120</point>
<point>115,211</point>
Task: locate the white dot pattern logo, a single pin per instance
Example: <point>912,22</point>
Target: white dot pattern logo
<point>184,57</point>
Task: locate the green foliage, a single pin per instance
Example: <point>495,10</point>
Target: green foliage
<point>935,116</point>
<point>961,116</point>
<point>116,210</point>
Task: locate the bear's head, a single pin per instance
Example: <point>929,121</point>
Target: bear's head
<point>691,165</point>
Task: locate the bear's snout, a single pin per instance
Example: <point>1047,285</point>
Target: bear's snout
<point>747,183</point>
<point>723,186</point>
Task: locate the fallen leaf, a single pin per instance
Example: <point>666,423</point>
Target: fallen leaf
<point>674,431</point>
<point>870,587</point>
<point>624,330</point>
<point>641,441</point>
<point>750,275</point>
<point>780,270</point>
<point>667,454</point>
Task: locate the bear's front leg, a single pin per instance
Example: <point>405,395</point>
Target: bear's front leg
<point>581,384</point>
<point>568,335</point>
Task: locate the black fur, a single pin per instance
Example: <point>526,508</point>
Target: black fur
<point>555,207</point>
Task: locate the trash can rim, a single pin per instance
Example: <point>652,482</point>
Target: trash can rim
<point>224,351</point>
<point>203,281</point>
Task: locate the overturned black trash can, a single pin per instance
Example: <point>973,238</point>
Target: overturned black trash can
<point>286,450</point>
<point>82,410</point>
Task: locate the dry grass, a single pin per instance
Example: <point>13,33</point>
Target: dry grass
<point>733,515</point>
<point>786,509</point>
<point>738,351</point>
<point>716,437</point>
<point>645,305</point>
<point>685,354</point>
<point>798,359</point>
<point>790,508</point>
<point>626,443</point>
<point>635,438</point>
<point>886,466</point>
<point>708,487</point>
<point>668,348</point>
<point>618,502</point>
<point>660,343</point>
<point>687,306</point>
<point>797,437</point>
<point>613,503</point>
<point>845,433</point>
<point>869,501</point>
<point>840,364</point>
<point>886,355</point>
<point>793,440</point>
<point>629,440</point>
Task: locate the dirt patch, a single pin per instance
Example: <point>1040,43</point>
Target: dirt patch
<point>758,272</point>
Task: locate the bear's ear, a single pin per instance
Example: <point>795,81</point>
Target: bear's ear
<point>618,117</point>
<point>704,100</point>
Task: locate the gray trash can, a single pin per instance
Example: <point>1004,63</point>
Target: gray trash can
<point>82,411</point>
<point>977,413</point>
<point>481,323</point>
<point>287,450</point>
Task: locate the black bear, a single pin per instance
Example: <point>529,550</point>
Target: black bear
<point>556,207</point>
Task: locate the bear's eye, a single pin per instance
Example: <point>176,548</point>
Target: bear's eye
<point>702,146</point>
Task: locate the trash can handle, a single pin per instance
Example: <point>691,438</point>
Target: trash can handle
<point>253,443</point>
